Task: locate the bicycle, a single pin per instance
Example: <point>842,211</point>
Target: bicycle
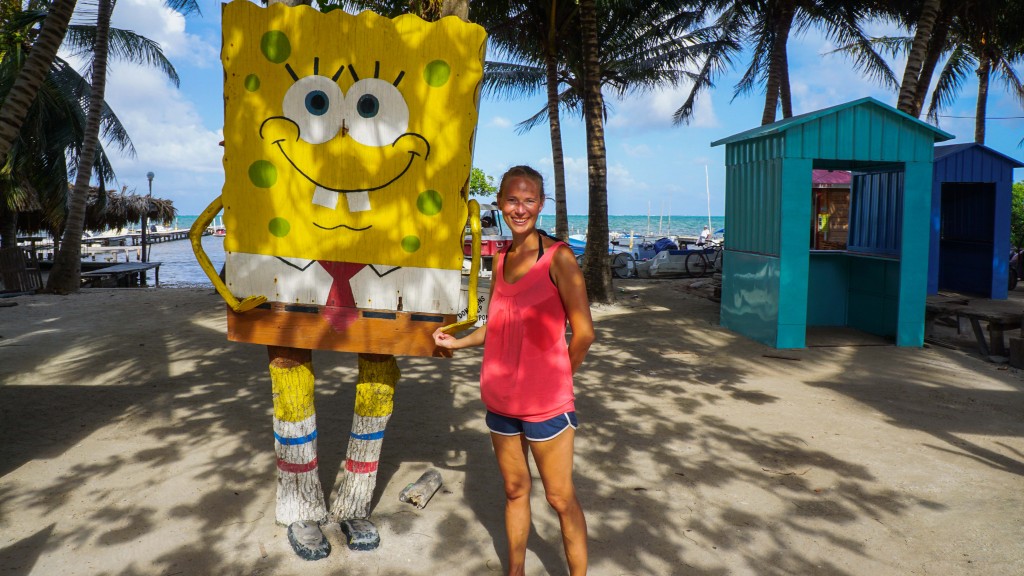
<point>697,263</point>
<point>622,264</point>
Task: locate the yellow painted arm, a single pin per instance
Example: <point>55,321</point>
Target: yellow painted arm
<point>474,272</point>
<point>195,235</point>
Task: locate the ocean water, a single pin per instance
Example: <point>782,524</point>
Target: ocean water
<point>180,269</point>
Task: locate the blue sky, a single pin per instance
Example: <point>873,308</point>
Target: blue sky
<point>652,165</point>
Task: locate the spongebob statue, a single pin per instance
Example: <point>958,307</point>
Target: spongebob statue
<point>348,146</point>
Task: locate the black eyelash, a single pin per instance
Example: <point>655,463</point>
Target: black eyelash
<point>353,71</point>
<point>399,79</point>
<point>288,67</point>
<point>338,73</point>
<point>376,69</point>
<point>316,65</point>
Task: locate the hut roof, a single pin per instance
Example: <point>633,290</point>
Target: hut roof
<point>121,210</point>
<point>118,210</point>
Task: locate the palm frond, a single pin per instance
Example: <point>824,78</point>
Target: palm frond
<point>958,67</point>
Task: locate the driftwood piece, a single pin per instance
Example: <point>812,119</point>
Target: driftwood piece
<point>421,491</point>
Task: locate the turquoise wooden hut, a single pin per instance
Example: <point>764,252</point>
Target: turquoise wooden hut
<point>970,220</point>
<point>773,284</point>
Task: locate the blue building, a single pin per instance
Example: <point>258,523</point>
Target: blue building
<point>970,220</point>
<point>773,284</point>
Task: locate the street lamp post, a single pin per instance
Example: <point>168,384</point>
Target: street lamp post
<point>145,216</point>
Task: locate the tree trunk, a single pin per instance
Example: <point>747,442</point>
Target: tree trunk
<point>458,8</point>
<point>597,270</point>
<point>777,62</point>
<point>557,156</point>
<point>915,60</point>
<point>31,76</point>
<point>375,391</point>
<point>65,277</point>
<point>299,494</point>
<point>984,72</point>
<point>785,92</point>
<point>931,61</point>
<point>8,228</point>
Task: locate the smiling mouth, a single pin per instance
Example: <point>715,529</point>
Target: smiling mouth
<point>356,199</point>
<point>412,157</point>
<point>330,228</point>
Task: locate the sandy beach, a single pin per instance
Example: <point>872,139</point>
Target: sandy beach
<point>138,441</point>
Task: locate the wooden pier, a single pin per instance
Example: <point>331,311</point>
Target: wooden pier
<point>135,238</point>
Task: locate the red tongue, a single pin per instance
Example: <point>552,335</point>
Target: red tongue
<point>341,289</point>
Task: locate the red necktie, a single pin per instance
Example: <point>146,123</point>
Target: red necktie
<point>341,310</point>
<point>341,288</point>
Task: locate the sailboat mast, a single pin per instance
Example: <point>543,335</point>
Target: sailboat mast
<point>707,187</point>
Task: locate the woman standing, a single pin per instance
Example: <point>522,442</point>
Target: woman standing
<point>526,377</point>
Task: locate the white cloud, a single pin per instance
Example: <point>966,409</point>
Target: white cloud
<point>654,110</point>
<point>164,123</point>
<point>152,19</point>
<point>500,122</point>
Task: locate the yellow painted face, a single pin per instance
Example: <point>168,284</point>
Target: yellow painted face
<point>348,138</point>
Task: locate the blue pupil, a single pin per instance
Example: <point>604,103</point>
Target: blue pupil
<point>317,103</point>
<point>368,106</point>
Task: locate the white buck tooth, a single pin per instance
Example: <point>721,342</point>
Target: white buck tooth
<point>326,198</point>
<point>358,201</point>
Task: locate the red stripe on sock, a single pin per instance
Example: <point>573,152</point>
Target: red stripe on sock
<point>357,467</point>
<point>296,468</point>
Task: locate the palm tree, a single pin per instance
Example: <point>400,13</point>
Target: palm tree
<point>44,50</point>
<point>989,43</point>
<point>644,45</point>
<point>35,175</point>
<point>765,26</point>
<point>596,270</point>
<point>66,273</point>
<point>981,37</point>
<point>520,32</point>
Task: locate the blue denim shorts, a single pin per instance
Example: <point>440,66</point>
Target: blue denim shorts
<point>534,431</point>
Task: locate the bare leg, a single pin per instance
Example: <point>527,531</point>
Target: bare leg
<point>515,470</point>
<point>554,460</point>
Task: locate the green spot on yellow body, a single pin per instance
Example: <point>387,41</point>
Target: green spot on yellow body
<point>262,174</point>
<point>411,244</point>
<point>429,202</point>
<point>275,46</point>
<point>436,73</point>
<point>252,82</point>
<point>279,227</point>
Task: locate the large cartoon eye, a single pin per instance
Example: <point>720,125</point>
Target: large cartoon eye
<point>368,106</point>
<point>379,112</point>
<point>315,104</point>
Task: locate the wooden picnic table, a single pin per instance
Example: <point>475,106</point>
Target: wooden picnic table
<point>135,272</point>
<point>998,323</point>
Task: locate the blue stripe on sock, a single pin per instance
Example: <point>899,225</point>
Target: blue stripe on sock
<point>370,436</point>
<point>295,441</point>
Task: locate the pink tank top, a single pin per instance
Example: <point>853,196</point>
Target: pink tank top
<point>526,372</point>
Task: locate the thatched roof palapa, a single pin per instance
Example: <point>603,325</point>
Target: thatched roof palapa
<point>118,210</point>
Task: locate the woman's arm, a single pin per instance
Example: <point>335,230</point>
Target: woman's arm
<point>443,339</point>
<point>572,289</point>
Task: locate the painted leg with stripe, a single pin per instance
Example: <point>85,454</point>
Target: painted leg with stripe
<point>300,499</point>
<point>375,391</point>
